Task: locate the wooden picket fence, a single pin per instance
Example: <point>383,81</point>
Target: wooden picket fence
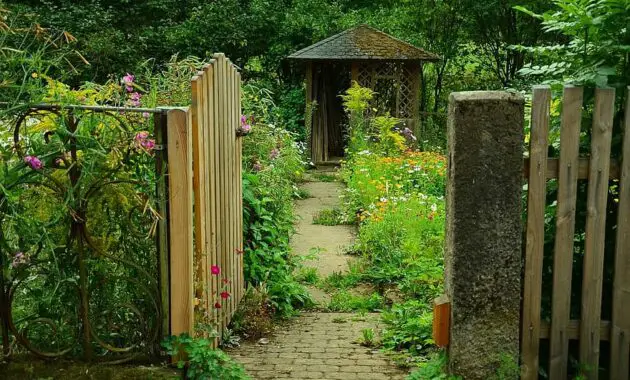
<point>205,201</point>
<point>590,330</point>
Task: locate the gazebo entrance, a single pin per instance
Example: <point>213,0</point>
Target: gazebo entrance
<point>373,59</point>
<point>329,80</point>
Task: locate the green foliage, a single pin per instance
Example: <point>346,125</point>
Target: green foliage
<point>332,217</point>
<point>345,301</point>
<point>272,162</point>
<point>307,275</point>
<point>409,327</point>
<point>368,338</point>
<point>434,369</point>
<point>202,361</point>
<point>591,51</point>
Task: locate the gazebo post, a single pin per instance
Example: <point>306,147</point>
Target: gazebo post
<point>308,120</point>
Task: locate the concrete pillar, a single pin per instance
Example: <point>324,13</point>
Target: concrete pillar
<point>483,230</point>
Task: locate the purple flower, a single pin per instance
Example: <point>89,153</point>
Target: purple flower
<point>146,115</point>
<point>257,166</point>
<point>246,128</point>
<point>135,96</point>
<point>274,154</point>
<point>243,119</point>
<point>34,162</point>
<point>148,144</point>
<point>19,259</point>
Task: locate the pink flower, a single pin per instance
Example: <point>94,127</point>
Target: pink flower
<point>225,295</point>
<point>215,270</point>
<point>243,119</point>
<point>246,128</point>
<point>143,135</point>
<point>257,166</point>
<point>146,115</point>
<point>135,96</point>
<point>128,82</point>
<point>34,162</point>
<point>148,144</point>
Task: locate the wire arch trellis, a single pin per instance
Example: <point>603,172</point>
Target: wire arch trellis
<point>79,220</point>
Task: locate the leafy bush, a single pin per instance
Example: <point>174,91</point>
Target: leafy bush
<point>202,361</point>
<point>272,162</point>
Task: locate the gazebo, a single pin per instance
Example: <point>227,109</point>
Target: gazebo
<point>373,59</point>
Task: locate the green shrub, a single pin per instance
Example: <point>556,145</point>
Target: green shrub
<point>202,361</point>
<point>345,301</point>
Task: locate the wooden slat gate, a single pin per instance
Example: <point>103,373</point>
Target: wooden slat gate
<point>205,202</point>
<point>568,169</point>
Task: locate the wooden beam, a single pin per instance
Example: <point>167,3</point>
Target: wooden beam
<point>620,339</point>
<point>583,168</point>
<point>594,242</point>
<point>565,229</point>
<point>534,248</point>
<point>573,330</point>
<point>180,173</point>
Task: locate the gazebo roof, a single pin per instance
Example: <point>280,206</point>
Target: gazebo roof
<point>363,42</point>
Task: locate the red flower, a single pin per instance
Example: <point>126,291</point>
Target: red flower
<point>217,305</point>
<point>225,295</point>
<point>215,270</point>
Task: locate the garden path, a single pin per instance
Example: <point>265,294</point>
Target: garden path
<point>319,345</point>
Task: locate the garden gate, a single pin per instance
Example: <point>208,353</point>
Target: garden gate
<point>111,238</point>
<point>205,196</point>
<point>495,311</point>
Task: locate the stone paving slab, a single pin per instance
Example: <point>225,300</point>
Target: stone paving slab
<point>318,346</point>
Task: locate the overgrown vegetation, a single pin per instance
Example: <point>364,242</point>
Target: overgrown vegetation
<point>398,195</point>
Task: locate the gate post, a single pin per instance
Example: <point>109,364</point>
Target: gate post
<point>483,255</point>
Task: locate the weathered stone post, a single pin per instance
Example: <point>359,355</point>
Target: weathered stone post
<point>483,230</point>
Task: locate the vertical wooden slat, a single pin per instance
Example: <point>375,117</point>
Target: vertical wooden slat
<point>596,229</point>
<point>214,282</point>
<point>199,180</point>
<point>620,334</point>
<point>232,178</point>
<point>181,221</point>
<point>217,151</point>
<point>565,228</point>
<point>239,159</point>
<point>223,125</point>
<point>535,231</point>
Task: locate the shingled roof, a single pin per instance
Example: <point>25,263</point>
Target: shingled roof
<point>363,42</point>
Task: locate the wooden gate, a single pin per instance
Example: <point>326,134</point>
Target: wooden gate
<point>567,169</point>
<point>205,202</point>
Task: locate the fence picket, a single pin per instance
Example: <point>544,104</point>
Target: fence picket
<point>565,228</point>
<point>535,231</point>
<point>181,221</point>
<point>595,230</point>
<point>620,334</point>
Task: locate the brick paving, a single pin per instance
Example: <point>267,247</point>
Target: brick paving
<point>318,346</point>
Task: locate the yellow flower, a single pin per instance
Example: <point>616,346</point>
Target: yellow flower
<point>34,75</point>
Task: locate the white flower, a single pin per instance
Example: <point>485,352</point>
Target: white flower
<point>434,207</point>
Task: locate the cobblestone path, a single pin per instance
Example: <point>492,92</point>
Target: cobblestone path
<point>319,345</point>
